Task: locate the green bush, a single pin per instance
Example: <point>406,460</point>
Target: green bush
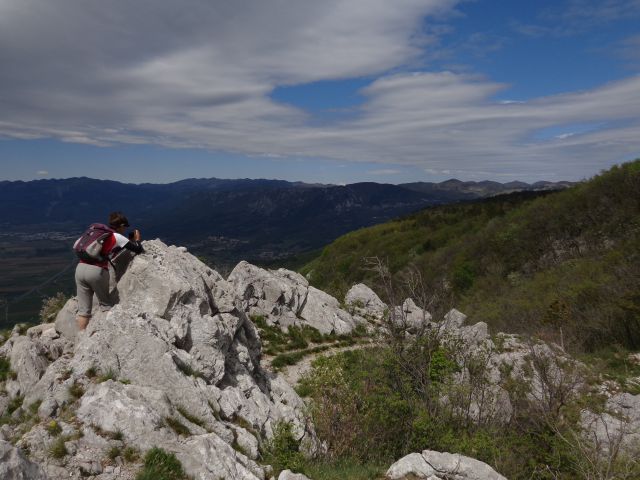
<point>371,408</point>
<point>282,451</point>
<point>160,465</point>
<point>344,469</point>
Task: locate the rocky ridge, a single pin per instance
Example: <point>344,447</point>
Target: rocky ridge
<point>177,364</point>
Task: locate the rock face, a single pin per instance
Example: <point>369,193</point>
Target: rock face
<point>175,364</point>
<point>617,427</point>
<point>15,466</point>
<point>433,465</point>
<point>364,302</point>
<point>285,298</point>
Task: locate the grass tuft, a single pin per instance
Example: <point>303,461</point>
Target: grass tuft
<point>192,418</point>
<point>76,390</point>
<point>161,465</point>
<point>177,426</point>
<point>58,449</point>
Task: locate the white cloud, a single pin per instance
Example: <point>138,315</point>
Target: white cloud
<point>200,73</point>
<point>42,173</point>
<point>384,171</point>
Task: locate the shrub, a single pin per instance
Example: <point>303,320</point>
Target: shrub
<point>282,451</point>
<point>51,306</point>
<point>160,465</point>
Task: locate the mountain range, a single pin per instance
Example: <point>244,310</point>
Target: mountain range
<point>232,219</point>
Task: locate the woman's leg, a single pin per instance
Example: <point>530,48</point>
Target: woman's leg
<point>100,284</point>
<point>84,295</point>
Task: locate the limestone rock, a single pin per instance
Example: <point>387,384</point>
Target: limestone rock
<point>15,466</point>
<point>411,317</point>
<point>434,465</point>
<point>284,298</point>
<point>617,427</point>
<point>289,475</point>
<point>65,323</point>
<point>29,361</point>
<point>323,312</point>
<point>179,362</point>
<point>365,302</point>
<point>454,319</point>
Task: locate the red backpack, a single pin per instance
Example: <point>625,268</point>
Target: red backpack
<point>89,246</point>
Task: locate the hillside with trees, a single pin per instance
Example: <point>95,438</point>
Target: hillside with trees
<point>562,265</point>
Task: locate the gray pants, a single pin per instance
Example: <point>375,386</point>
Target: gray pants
<point>92,279</point>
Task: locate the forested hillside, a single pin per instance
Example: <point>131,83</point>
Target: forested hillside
<point>564,265</point>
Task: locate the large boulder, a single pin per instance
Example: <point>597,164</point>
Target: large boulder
<point>363,301</point>
<point>434,465</point>
<point>284,298</point>
<point>323,312</point>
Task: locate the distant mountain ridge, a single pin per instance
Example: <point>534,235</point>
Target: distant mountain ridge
<point>459,190</point>
<point>241,218</point>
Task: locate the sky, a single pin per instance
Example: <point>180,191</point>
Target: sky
<point>332,91</point>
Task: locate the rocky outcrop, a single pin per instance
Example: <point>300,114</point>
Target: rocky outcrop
<point>285,298</point>
<point>616,427</point>
<point>175,364</point>
<point>433,465</point>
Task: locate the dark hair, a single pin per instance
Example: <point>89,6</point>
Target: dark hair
<point>117,220</point>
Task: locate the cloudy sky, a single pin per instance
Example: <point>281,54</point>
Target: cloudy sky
<point>332,91</point>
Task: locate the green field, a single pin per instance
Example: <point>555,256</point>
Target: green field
<point>27,265</point>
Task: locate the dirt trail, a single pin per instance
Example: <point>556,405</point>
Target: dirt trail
<point>293,373</point>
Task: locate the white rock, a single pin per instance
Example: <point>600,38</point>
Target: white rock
<point>289,475</point>
<point>323,312</point>
<point>454,319</point>
<point>29,361</point>
<point>15,466</point>
<point>617,427</point>
<point>365,302</point>
<point>430,464</point>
